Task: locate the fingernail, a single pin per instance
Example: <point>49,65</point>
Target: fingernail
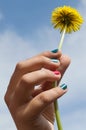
<point>56,72</point>
<point>55,51</point>
<point>63,86</point>
<point>55,60</point>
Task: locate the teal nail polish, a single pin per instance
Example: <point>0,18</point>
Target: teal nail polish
<point>63,86</point>
<point>55,60</point>
<point>55,51</point>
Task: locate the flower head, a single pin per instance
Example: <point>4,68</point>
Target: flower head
<point>66,17</point>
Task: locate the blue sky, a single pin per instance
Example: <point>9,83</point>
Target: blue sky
<point>25,30</point>
<point>26,15</point>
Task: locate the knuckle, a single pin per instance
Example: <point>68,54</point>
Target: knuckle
<point>45,72</point>
<point>19,66</point>
<point>6,99</point>
<point>49,75</point>
<point>24,82</point>
<point>44,98</point>
<point>42,59</point>
<point>47,53</point>
<point>66,60</point>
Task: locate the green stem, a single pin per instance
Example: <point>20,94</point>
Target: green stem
<point>62,39</point>
<point>57,114</point>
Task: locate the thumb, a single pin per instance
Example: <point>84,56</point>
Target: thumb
<point>41,101</point>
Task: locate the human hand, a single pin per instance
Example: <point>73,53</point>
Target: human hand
<point>32,109</point>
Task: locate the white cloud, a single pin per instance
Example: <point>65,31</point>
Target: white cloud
<point>7,122</point>
<point>75,120</point>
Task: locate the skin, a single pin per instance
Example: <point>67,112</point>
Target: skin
<point>32,107</point>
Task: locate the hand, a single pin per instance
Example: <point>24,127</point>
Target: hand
<point>32,107</point>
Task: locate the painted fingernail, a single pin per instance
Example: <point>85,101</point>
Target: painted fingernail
<point>55,51</point>
<point>55,60</point>
<point>56,72</point>
<point>63,86</point>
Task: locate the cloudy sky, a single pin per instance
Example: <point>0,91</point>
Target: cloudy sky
<point>25,30</point>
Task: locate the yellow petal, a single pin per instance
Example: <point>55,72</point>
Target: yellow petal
<point>66,16</point>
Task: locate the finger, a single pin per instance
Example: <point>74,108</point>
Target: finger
<point>42,60</point>
<point>43,87</point>
<point>28,81</point>
<point>51,54</point>
<point>33,64</point>
<point>41,101</point>
<point>64,63</point>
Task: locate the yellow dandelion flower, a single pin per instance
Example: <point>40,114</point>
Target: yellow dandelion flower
<point>66,16</point>
<point>67,19</point>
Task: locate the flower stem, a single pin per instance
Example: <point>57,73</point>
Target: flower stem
<point>57,114</point>
<point>62,39</point>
